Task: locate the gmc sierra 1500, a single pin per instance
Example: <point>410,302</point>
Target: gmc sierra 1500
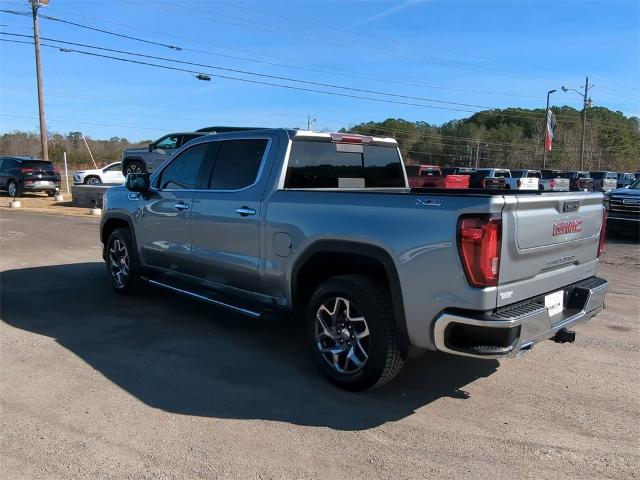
<point>323,227</point>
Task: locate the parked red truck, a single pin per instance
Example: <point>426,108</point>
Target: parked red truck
<point>430,176</point>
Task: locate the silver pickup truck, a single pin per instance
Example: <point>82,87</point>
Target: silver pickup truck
<point>323,228</point>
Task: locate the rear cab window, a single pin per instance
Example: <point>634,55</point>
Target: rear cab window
<point>318,164</point>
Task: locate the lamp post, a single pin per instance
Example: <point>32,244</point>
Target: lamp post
<point>35,5</point>
<point>546,131</point>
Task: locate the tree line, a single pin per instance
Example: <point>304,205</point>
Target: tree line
<point>510,138</point>
<point>104,151</point>
<point>514,138</point>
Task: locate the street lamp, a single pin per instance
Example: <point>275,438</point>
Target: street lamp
<point>546,130</point>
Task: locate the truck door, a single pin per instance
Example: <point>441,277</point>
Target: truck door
<point>225,217</point>
<point>165,233</point>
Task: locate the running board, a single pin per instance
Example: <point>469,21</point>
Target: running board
<point>198,296</point>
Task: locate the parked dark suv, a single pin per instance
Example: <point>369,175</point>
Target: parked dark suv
<point>28,174</point>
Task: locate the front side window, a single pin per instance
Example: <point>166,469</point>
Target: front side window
<point>168,142</point>
<point>116,167</point>
<point>182,172</point>
<point>237,164</point>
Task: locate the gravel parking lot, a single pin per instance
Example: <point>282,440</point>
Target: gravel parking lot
<point>97,386</point>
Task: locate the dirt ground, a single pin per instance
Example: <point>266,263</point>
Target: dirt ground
<point>41,203</point>
<point>98,386</point>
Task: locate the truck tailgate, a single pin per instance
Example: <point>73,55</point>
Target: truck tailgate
<point>549,240</point>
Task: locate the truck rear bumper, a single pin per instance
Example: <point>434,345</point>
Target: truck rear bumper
<point>515,328</point>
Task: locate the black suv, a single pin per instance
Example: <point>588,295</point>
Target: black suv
<point>28,174</point>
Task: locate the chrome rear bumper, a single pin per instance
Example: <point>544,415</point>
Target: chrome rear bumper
<point>514,329</point>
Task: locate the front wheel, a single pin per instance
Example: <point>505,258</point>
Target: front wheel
<point>50,193</point>
<point>351,333</point>
<point>92,181</point>
<point>123,264</point>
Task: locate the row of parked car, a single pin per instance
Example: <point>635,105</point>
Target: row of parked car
<point>432,176</point>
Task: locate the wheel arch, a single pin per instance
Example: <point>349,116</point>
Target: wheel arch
<point>327,258</point>
<point>113,222</point>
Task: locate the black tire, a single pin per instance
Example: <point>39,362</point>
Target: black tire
<point>134,166</point>
<point>386,355</point>
<point>130,283</point>
<point>92,180</point>
<point>13,189</point>
<point>50,193</point>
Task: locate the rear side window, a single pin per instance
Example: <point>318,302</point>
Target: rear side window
<point>238,164</point>
<point>335,165</point>
<point>182,172</point>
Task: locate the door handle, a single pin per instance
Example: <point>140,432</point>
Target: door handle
<point>245,211</point>
<point>181,206</point>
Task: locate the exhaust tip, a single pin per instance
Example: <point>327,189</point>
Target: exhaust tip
<point>564,336</point>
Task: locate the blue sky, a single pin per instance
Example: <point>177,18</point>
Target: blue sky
<point>461,55</point>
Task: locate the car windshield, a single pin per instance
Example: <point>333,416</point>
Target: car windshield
<point>635,185</point>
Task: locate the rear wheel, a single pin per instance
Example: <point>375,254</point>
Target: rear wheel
<point>12,189</point>
<point>351,333</point>
<point>123,264</point>
<point>134,166</point>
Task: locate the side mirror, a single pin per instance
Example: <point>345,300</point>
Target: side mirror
<point>151,147</point>
<point>138,182</point>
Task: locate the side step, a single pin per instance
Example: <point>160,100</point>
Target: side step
<point>198,296</point>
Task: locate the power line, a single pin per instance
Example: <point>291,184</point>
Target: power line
<point>325,69</point>
<point>288,79</point>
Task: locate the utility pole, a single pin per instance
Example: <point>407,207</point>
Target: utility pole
<point>584,121</point>
<point>477,152</point>
<point>35,5</point>
<point>310,121</point>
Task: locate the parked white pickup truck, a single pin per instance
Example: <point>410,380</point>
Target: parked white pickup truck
<point>511,182</point>
<point>524,179</point>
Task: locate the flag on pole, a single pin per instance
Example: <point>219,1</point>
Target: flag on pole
<point>551,130</point>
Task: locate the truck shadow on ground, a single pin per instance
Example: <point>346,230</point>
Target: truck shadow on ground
<point>187,357</point>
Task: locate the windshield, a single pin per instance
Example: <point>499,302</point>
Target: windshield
<point>635,185</point>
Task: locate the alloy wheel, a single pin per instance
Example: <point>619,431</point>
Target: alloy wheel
<point>133,168</point>
<point>119,262</point>
<point>11,189</point>
<point>342,335</point>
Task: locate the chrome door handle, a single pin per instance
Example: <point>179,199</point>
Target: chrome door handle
<point>181,206</point>
<point>244,211</point>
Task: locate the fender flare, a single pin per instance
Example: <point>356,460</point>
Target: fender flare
<point>362,249</point>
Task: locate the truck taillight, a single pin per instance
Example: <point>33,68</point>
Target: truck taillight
<point>603,232</point>
<point>26,170</point>
<point>519,182</point>
<point>56,170</point>
<point>479,245</point>
<point>552,183</point>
